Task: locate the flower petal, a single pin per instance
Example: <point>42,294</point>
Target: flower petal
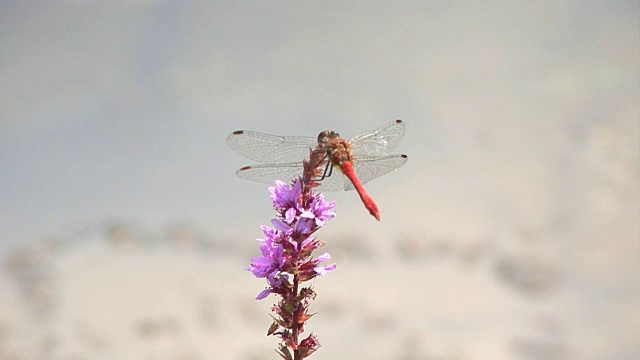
<point>263,294</point>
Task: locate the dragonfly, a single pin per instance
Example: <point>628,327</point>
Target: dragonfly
<point>356,161</point>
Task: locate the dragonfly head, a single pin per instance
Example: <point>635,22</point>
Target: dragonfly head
<point>327,136</point>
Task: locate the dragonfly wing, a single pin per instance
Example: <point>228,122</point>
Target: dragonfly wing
<point>378,142</point>
<point>368,168</point>
<point>269,173</point>
<point>335,182</point>
<point>270,149</point>
<point>288,172</point>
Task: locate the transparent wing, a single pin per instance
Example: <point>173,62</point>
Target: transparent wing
<point>368,168</point>
<point>269,173</point>
<point>379,142</point>
<point>273,149</point>
<point>270,149</point>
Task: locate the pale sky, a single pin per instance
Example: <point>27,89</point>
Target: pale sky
<point>119,111</point>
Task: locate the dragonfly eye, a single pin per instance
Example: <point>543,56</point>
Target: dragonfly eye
<point>323,137</point>
<point>326,135</point>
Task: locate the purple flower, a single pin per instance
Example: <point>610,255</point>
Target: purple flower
<point>285,196</point>
<point>276,281</point>
<point>320,210</point>
<point>303,226</point>
<point>272,258</point>
<point>323,270</point>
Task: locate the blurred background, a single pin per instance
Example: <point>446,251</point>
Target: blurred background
<point>511,233</point>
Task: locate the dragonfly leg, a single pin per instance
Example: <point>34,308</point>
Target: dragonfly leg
<point>328,170</point>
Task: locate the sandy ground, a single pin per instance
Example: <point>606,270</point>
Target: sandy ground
<point>177,294</point>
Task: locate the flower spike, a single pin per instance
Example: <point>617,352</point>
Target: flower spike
<point>287,260</point>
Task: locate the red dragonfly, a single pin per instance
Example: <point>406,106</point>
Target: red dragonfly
<point>360,159</point>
